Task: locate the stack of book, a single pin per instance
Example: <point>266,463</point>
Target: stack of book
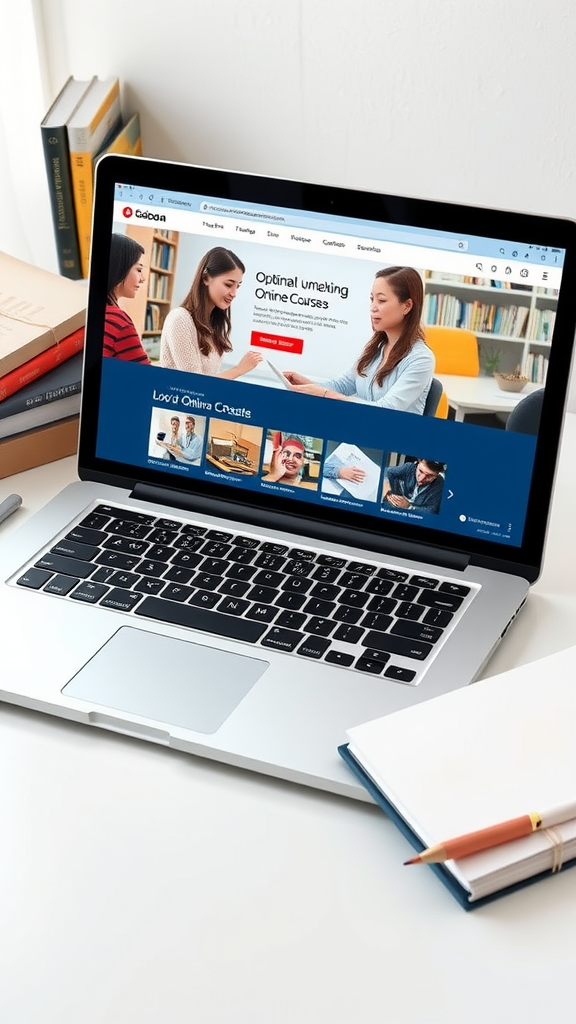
<point>84,122</point>
<point>42,318</point>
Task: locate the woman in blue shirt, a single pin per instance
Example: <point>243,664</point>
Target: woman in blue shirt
<point>396,367</point>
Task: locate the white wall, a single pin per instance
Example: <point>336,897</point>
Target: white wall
<point>468,100</point>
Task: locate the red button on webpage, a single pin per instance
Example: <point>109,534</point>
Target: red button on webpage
<point>277,342</point>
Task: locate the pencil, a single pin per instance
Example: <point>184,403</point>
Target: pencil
<point>494,835</point>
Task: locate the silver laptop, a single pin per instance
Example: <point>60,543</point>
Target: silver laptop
<point>244,570</point>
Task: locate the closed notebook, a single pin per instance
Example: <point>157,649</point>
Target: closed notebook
<point>495,750</point>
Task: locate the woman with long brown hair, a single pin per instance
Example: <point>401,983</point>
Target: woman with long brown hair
<point>196,334</point>
<point>396,367</point>
<point>125,276</point>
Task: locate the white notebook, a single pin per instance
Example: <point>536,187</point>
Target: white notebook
<point>495,750</point>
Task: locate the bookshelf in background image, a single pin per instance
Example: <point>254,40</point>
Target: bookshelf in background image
<point>150,307</point>
<point>516,320</point>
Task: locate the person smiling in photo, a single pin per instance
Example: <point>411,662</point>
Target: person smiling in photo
<point>395,369</point>
<point>196,335</point>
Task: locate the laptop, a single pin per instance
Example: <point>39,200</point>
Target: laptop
<point>230,605</point>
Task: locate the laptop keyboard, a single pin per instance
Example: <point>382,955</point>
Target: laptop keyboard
<point>359,615</point>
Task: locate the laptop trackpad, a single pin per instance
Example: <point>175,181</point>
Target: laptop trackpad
<point>177,682</point>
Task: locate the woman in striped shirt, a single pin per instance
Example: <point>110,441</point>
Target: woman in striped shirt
<point>125,275</point>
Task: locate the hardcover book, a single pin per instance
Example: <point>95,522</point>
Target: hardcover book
<point>39,446</point>
<point>37,310</point>
<point>39,366</point>
<point>26,405</point>
<point>94,123</point>
<point>57,160</point>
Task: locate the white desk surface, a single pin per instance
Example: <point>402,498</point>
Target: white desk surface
<point>480,394</point>
<point>143,885</point>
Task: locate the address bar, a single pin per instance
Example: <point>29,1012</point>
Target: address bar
<point>231,210</point>
<point>382,234</point>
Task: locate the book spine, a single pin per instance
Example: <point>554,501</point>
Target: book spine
<point>84,142</point>
<point>81,168</point>
<point>16,379</point>
<point>44,398</point>
<point>57,160</point>
<point>38,446</point>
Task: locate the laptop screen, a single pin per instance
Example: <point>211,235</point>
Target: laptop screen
<point>350,358</point>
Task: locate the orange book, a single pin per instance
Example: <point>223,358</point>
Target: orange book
<point>94,122</point>
<point>38,446</point>
<point>41,364</point>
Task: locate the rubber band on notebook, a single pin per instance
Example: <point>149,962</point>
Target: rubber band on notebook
<point>557,843</point>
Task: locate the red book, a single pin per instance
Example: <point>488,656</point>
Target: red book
<point>40,364</point>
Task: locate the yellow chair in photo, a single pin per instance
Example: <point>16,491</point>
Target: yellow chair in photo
<point>455,350</point>
<point>436,402</point>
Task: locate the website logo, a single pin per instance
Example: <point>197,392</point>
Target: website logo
<point>127,211</point>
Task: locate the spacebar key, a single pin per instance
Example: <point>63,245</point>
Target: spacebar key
<point>201,618</point>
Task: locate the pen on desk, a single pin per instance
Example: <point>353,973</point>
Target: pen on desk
<point>9,505</point>
<point>494,835</point>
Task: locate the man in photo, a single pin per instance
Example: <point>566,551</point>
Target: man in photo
<point>415,485</point>
<point>287,460</point>
<point>187,448</point>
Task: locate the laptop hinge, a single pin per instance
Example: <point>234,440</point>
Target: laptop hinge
<point>298,524</point>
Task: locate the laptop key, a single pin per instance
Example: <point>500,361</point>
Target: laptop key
<point>291,620</point>
<point>349,634</point>
<point>401,645</point>
<point>65,565</point>
<point>346,613</point>
<point>424,581</point>
<point>89,592</point>
<point>434,599</point>
<point>117,560</point>
<point>339,658</point>
<point>417,630</point>
<point>205,598</point>
<point>313,647</point>
<point>291,601</point>
<point>263,595</point>
<point>34,578</point>
<point>174,591</point>
<point>438,617</point>
<point>274,549</point>
<point>167,524</point>
<point>402,675</point>
<point>233,606</point>
<point>61,585</point>
<point>298,567</point>
<point>316,607</point>
<point>125,579</point>
<point>262,612</point>
<point>127,545</point>
<point>147,585</point>
<point>362,567</point>
<point>454,588</point>
<point>320,626</point>
<point>369,665</point>
<point>125,514</point>
<point>201,618</point>
<point>121,600</point>
<point>129,528</point>
<point>86,535</point>
<point>94,521</point>
<point>282,639</point>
